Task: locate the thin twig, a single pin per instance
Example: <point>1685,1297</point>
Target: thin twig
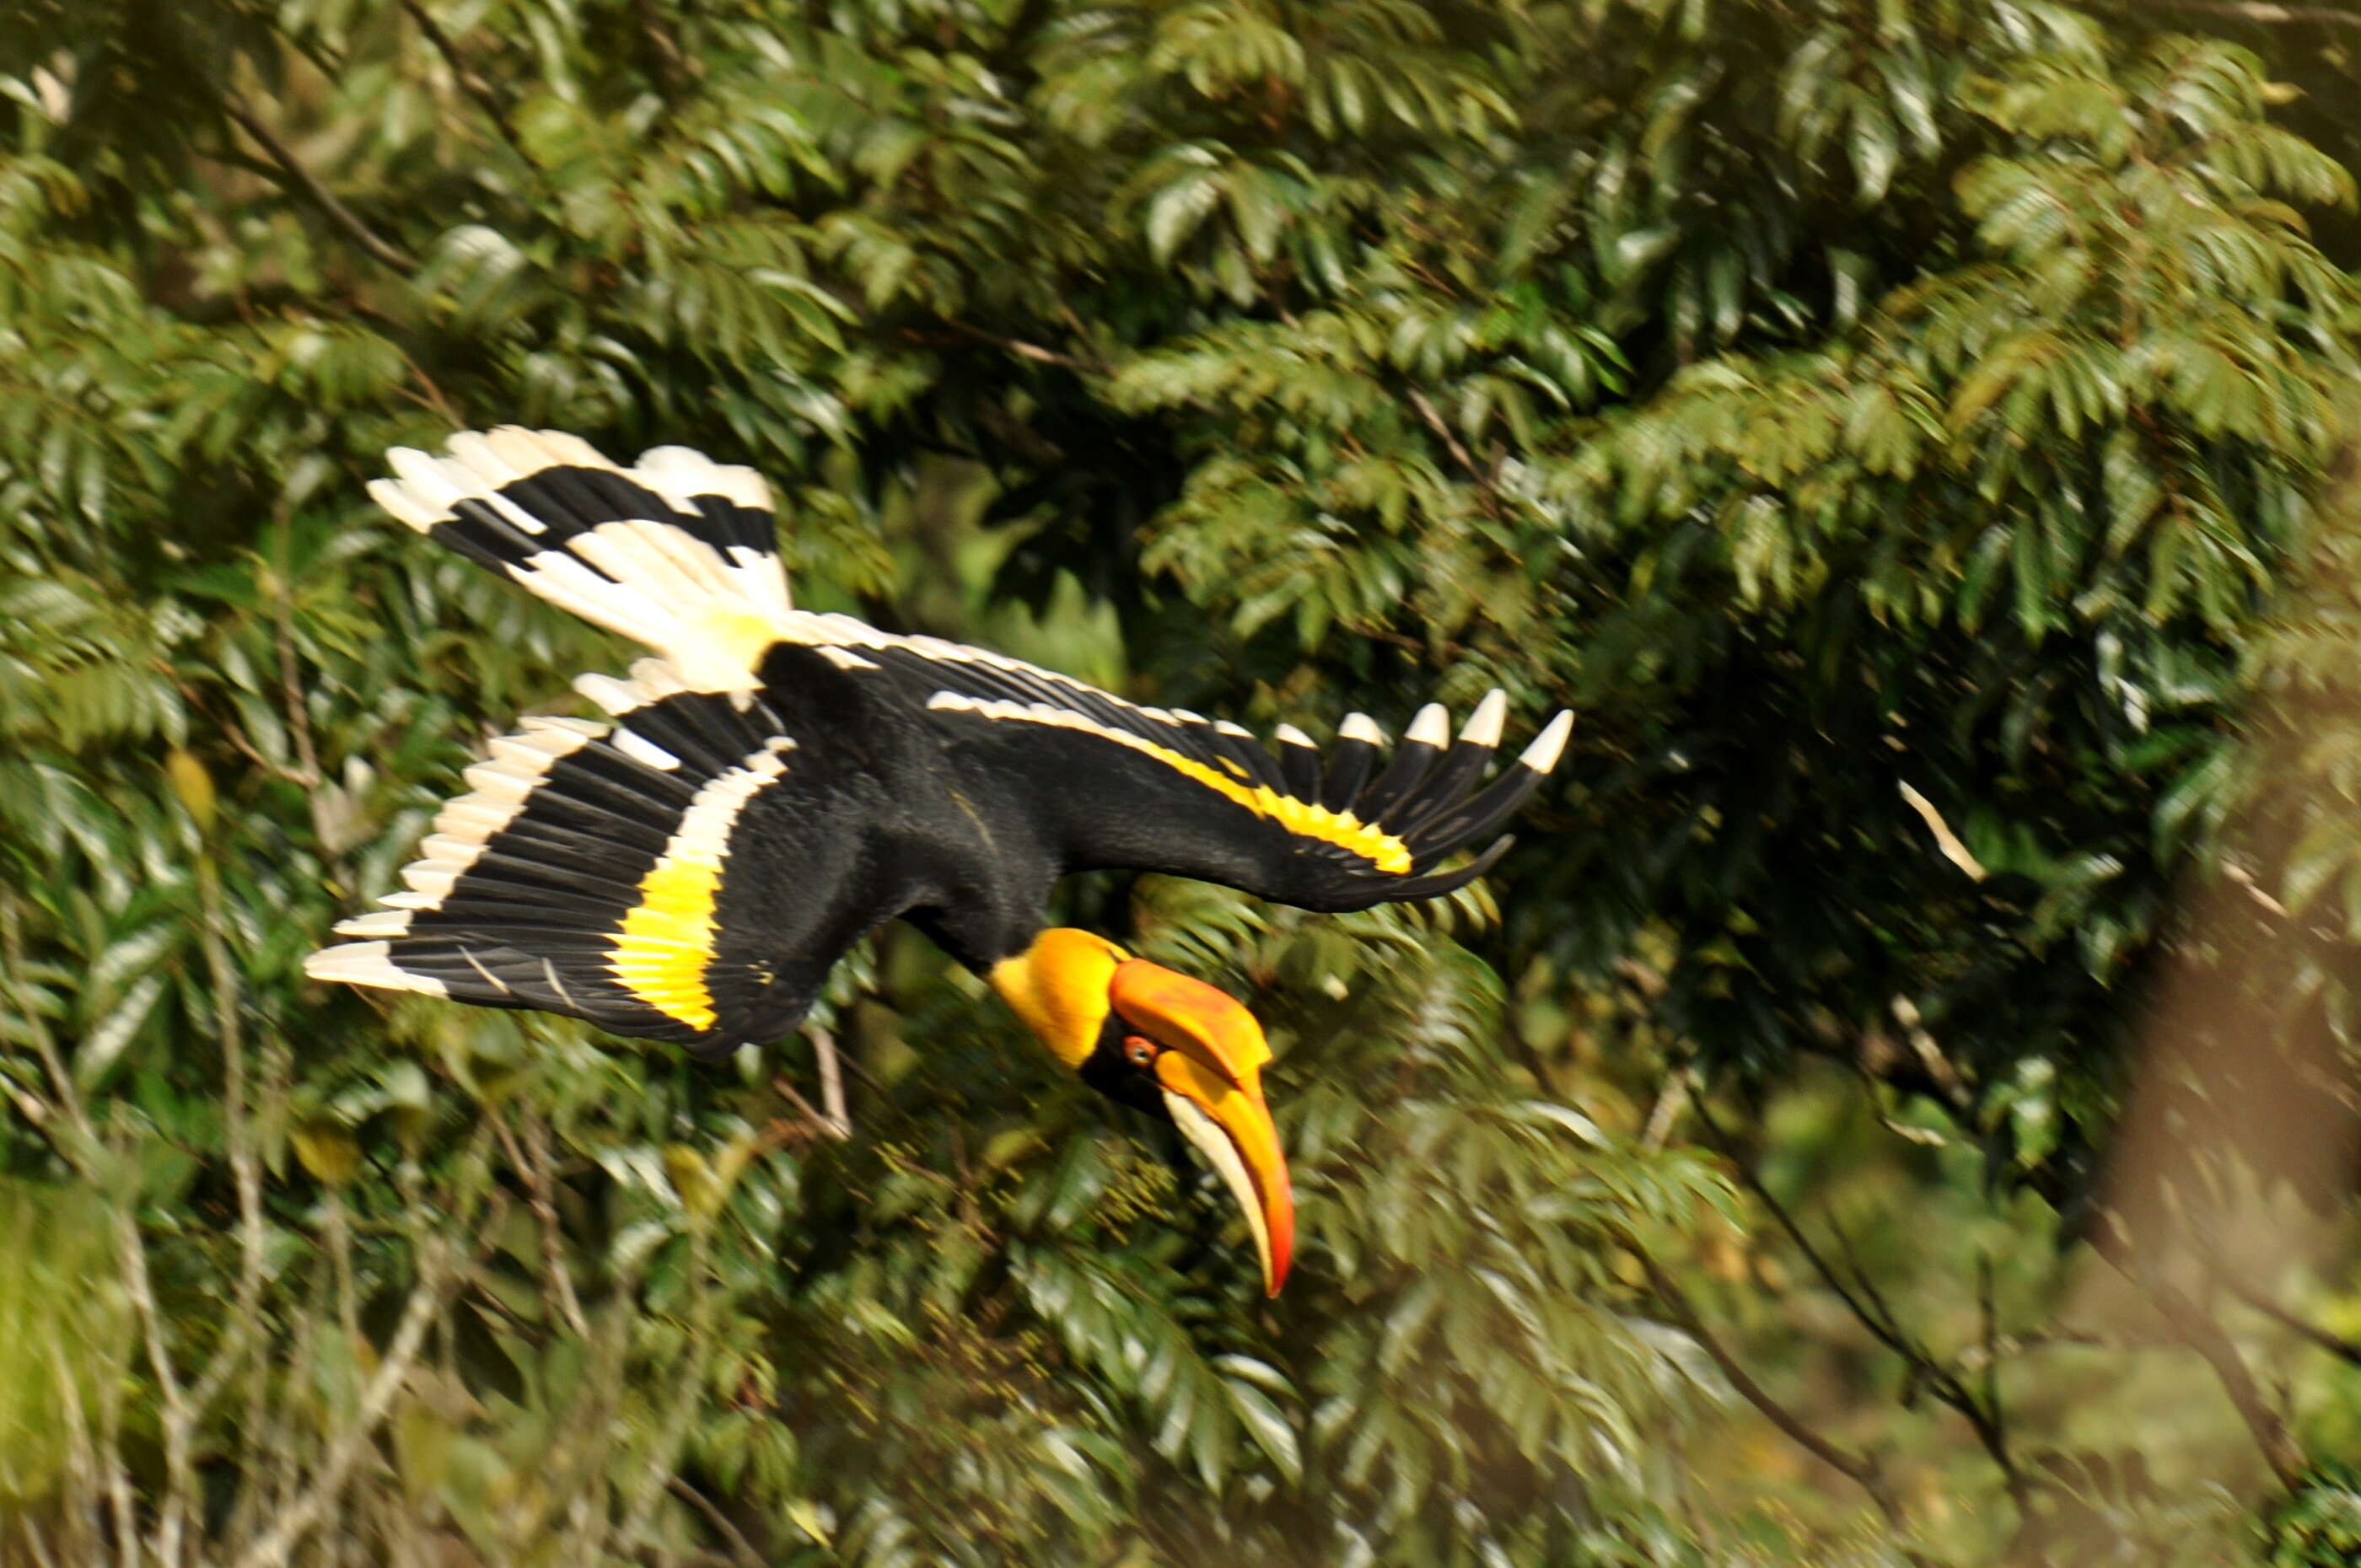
<point>1672,1099</point>
<point>177,1420</point>
<point>1032,351</point>
<point>536,1173</point>
<point>290,682</point>
<point>1459,453</point>
<point>130,1246</point>
<point>742,1551</point>
<point>438,1276</point>
<point>671,68</point>
<point>344,217</point>
<point>2197,1329</point>
<point>1988,1311</point>
<point>2261,11</point>
<point>832,1122</point>
<point>76,1525</point>
<point>119,1476</point>
<point>1949,843</point>
<point>831,1082</point>
<point>45,1045</point>
<point>1869,1307</point>
<point>246,1170</point>
<point>2336,1345</point>
<point>2001,1346</point>
<point>469,81</point>
<point>1958,1098</point>
<point>1861,1468</point>
<point>674,1432</point>
<point>433,398</point>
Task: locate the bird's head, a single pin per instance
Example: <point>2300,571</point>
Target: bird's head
<point>1171,1045</point>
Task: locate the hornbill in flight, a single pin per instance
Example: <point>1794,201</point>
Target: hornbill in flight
<point>777,784</point>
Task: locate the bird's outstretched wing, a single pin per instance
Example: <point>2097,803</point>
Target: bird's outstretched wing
<point>678,552</point>
<point>643,875</point>
<point>1113,783</point>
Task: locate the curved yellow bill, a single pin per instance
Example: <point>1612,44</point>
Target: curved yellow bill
<point>1211,1073</point>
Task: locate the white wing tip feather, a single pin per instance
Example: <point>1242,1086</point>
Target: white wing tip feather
<point>367,963</point>
<point>1483,726</point>
<point>683,472</point>
<point>1431,727</point>
<point>396,498</point>
<point>1550,744</point>
<point>1362,728</point>
<point>375,923</point>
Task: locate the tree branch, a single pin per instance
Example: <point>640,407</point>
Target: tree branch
<point>829,1119</point>
<point>1022,350</point>
<point>831,1083</point>
<point>2261,11</point>
<point>439,1274</point>
<point>469,83</point>
<point>2207,1338</point>
<point>742,1551</point>
<point>2199,1331</point>
<point>303,179</point>
<point>1459,453</point>
<point>1861,1468</point>
<point>2336,1345</point>
<point>540,1188</point>
<point>1873,1312</point>
<point>671,69</point>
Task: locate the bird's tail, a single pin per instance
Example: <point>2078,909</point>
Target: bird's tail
<point>678,552</point>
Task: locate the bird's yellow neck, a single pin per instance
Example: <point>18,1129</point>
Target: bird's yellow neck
<point>1059,986</point>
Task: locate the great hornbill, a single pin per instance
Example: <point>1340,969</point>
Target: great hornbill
<point>777,783</point>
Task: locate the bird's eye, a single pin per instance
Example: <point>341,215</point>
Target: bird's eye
<point>1140,1052</point>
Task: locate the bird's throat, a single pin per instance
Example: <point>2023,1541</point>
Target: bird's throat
<point>1059,986</point>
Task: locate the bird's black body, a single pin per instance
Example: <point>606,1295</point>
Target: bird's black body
<point>779,783</point>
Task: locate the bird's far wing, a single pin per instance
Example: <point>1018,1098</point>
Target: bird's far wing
<point>641,875</point>
<point>678,552</point>
<point>1117,785</point>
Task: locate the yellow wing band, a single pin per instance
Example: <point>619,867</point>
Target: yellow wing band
<point>1301,817</point>
<point>666,942</point>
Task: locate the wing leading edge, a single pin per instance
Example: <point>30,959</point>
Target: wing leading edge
<point>1155,789</point>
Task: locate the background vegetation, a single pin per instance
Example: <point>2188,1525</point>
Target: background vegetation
<point>1906,431</point>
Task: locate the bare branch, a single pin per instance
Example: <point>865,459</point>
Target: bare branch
<point>438,1276</point>
<point>377,249</point>
<point>2267,14</point>
<point>45,1045</point>
<point>1671,1100</point>
<point>246,1169</point>
<point>1024,350</point>
<point>832,1122</point>
<point>831,1082</point>
<point>671,68</point>
<point>742,1551</point>
<point>1869,1307</point>
<point>2336,1345</point>
<point>1459,453</point>
<point>2198,1329</point>
<point>1954,850</point>
<point>1861,1468</point>
<point>469,81</point>
<point>538,1185</point>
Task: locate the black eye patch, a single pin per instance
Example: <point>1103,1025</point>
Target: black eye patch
<point>1110,1069</point>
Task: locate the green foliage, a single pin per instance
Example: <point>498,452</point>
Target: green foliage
<point>1892,427</point>
<point>2320,1523</point>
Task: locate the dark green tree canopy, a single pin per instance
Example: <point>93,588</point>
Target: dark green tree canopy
<point>1902,431</point>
